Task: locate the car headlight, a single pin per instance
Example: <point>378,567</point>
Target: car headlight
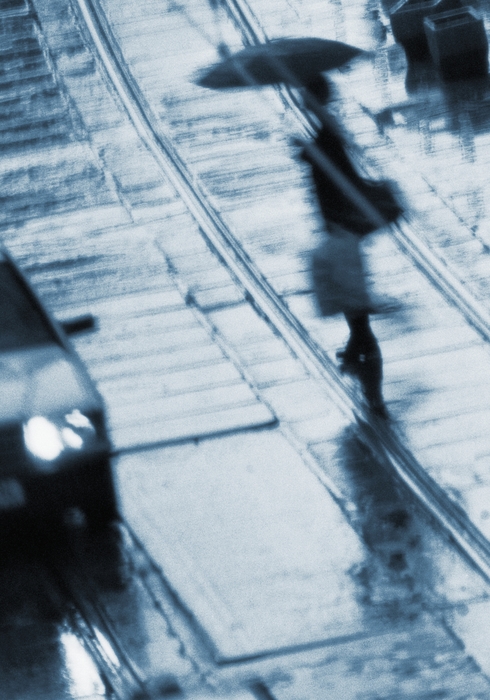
<point>48,438</point>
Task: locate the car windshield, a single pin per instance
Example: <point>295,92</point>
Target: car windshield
<point>22,325</point>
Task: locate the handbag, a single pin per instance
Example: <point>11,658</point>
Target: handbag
<point>381,195</point>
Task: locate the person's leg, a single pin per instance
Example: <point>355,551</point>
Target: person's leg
<point>362,356</point>
<point>361,340</point>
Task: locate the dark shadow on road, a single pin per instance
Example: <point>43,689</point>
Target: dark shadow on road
<point>397,577</point>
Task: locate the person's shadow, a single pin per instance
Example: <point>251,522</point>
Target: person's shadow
<point>397,575</point>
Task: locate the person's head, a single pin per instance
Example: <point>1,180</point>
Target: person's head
<point>319,87</point>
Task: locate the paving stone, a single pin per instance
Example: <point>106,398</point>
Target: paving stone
<point>242,326</point>
<point>181,358</point>
<point>105,350</point>
<point>470,623</point>
<point>209,299</point>
<point>429,341</point>
<point>320,428</point>
<point>255,501</point>
<point>169,302</point>
<point>384,668</point>
<point>154,385</point>
<point>468,459</point>
<point>267,349</point>
<point>298,400</point>
<point>276,371</point>
<point>444,431</point>
<point>149,428</point>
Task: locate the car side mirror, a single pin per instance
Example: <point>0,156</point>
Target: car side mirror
<point>79,324</point>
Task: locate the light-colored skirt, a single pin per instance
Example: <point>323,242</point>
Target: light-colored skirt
<point>339,278</point>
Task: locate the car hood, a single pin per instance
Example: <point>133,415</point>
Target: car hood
<point>42,381</point>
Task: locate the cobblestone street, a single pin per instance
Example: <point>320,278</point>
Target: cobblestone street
<point>276,540</point>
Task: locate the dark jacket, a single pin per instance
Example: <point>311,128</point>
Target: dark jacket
<point>336,207</point>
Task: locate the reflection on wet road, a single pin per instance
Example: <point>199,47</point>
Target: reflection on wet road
<point>43,654</point>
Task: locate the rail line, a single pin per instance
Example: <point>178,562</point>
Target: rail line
<point>40,555</point>
<point>120,676</point>
<point>69,577</point>
<point>382,440</point>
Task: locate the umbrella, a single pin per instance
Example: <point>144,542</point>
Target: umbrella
<point>293,61</point>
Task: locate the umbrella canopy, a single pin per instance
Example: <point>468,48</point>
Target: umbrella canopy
<point>292,61</point>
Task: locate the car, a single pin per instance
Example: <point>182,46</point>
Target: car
<point>54,444</point>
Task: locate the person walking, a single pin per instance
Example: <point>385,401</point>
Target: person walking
<point>352,207</point>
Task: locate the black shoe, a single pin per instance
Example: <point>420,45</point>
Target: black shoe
<point>378,409</point>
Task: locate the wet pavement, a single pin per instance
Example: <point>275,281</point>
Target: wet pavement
<point>265,551</point>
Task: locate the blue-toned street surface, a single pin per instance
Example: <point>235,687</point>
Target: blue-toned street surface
<point>277,540</point>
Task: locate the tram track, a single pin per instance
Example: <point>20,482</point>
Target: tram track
<point>384,441</point>
<point>88,619</point>
<point>85,573</point>
<point>50,603</point>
